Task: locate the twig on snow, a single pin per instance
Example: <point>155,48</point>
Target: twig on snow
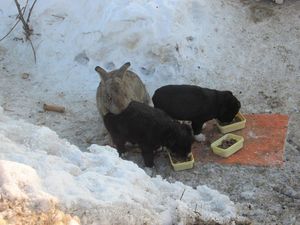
<point>25,25</point>
<point>26,28</point>
<point>30,10</point>
<point>182,194</point>
<point>33,50</point>
<point>10,30</point>
<point>18,20</point>
<point>195,210</point>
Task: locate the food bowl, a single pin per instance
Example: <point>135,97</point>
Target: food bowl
<point>181,165</point>
<point>239,122</point>
<point>222,148</point>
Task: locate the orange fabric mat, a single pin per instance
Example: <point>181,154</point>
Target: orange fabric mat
<point>264,135</point>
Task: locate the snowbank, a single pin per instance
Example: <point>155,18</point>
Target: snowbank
<point>20,181</point>
<point>97,186</point>
<point>23,201</point>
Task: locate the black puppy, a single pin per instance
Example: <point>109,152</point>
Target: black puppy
<point>196,104</point>
<point>150,128</point>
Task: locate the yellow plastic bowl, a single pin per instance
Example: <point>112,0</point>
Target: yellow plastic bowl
<point>231,149</point>
<point>234,126</point>
<point>182,165</point>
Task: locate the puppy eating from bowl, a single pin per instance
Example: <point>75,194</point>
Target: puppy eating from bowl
<point>196,104</point>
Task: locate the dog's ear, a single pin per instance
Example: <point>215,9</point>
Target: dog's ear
<point>227,95</point>
<point>229,106</point>
<point>225,100</point>
<point>186,129</point>
<point>170,137</point>
<point>189,134</point>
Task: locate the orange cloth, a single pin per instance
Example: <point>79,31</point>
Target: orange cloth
<point>264,134</point>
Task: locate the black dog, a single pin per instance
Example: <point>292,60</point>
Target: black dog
<point>196,104</point>
<point>150,128</point>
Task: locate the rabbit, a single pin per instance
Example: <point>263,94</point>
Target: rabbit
<point>118,88</point>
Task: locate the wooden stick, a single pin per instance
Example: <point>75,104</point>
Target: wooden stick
<point>54,108</point>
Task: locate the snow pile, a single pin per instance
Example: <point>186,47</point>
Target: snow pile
<point>18,181</point>
<point>97,186</point>
<point>23,201</point>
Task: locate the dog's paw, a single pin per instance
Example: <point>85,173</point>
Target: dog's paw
<point>278,1</point>
<point>200,137</point>
<point>149,171</point>
<point>123,154</point>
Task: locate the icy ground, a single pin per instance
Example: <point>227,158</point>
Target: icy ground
<point>249,47</point>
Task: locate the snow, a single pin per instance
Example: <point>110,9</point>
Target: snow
<point>20,181</point>
<point>37,164</point>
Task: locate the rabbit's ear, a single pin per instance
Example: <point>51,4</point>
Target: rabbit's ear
<point>103,74</point>
<point>124,68</point>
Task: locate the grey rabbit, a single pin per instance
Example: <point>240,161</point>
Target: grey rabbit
<point>118,88</point>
